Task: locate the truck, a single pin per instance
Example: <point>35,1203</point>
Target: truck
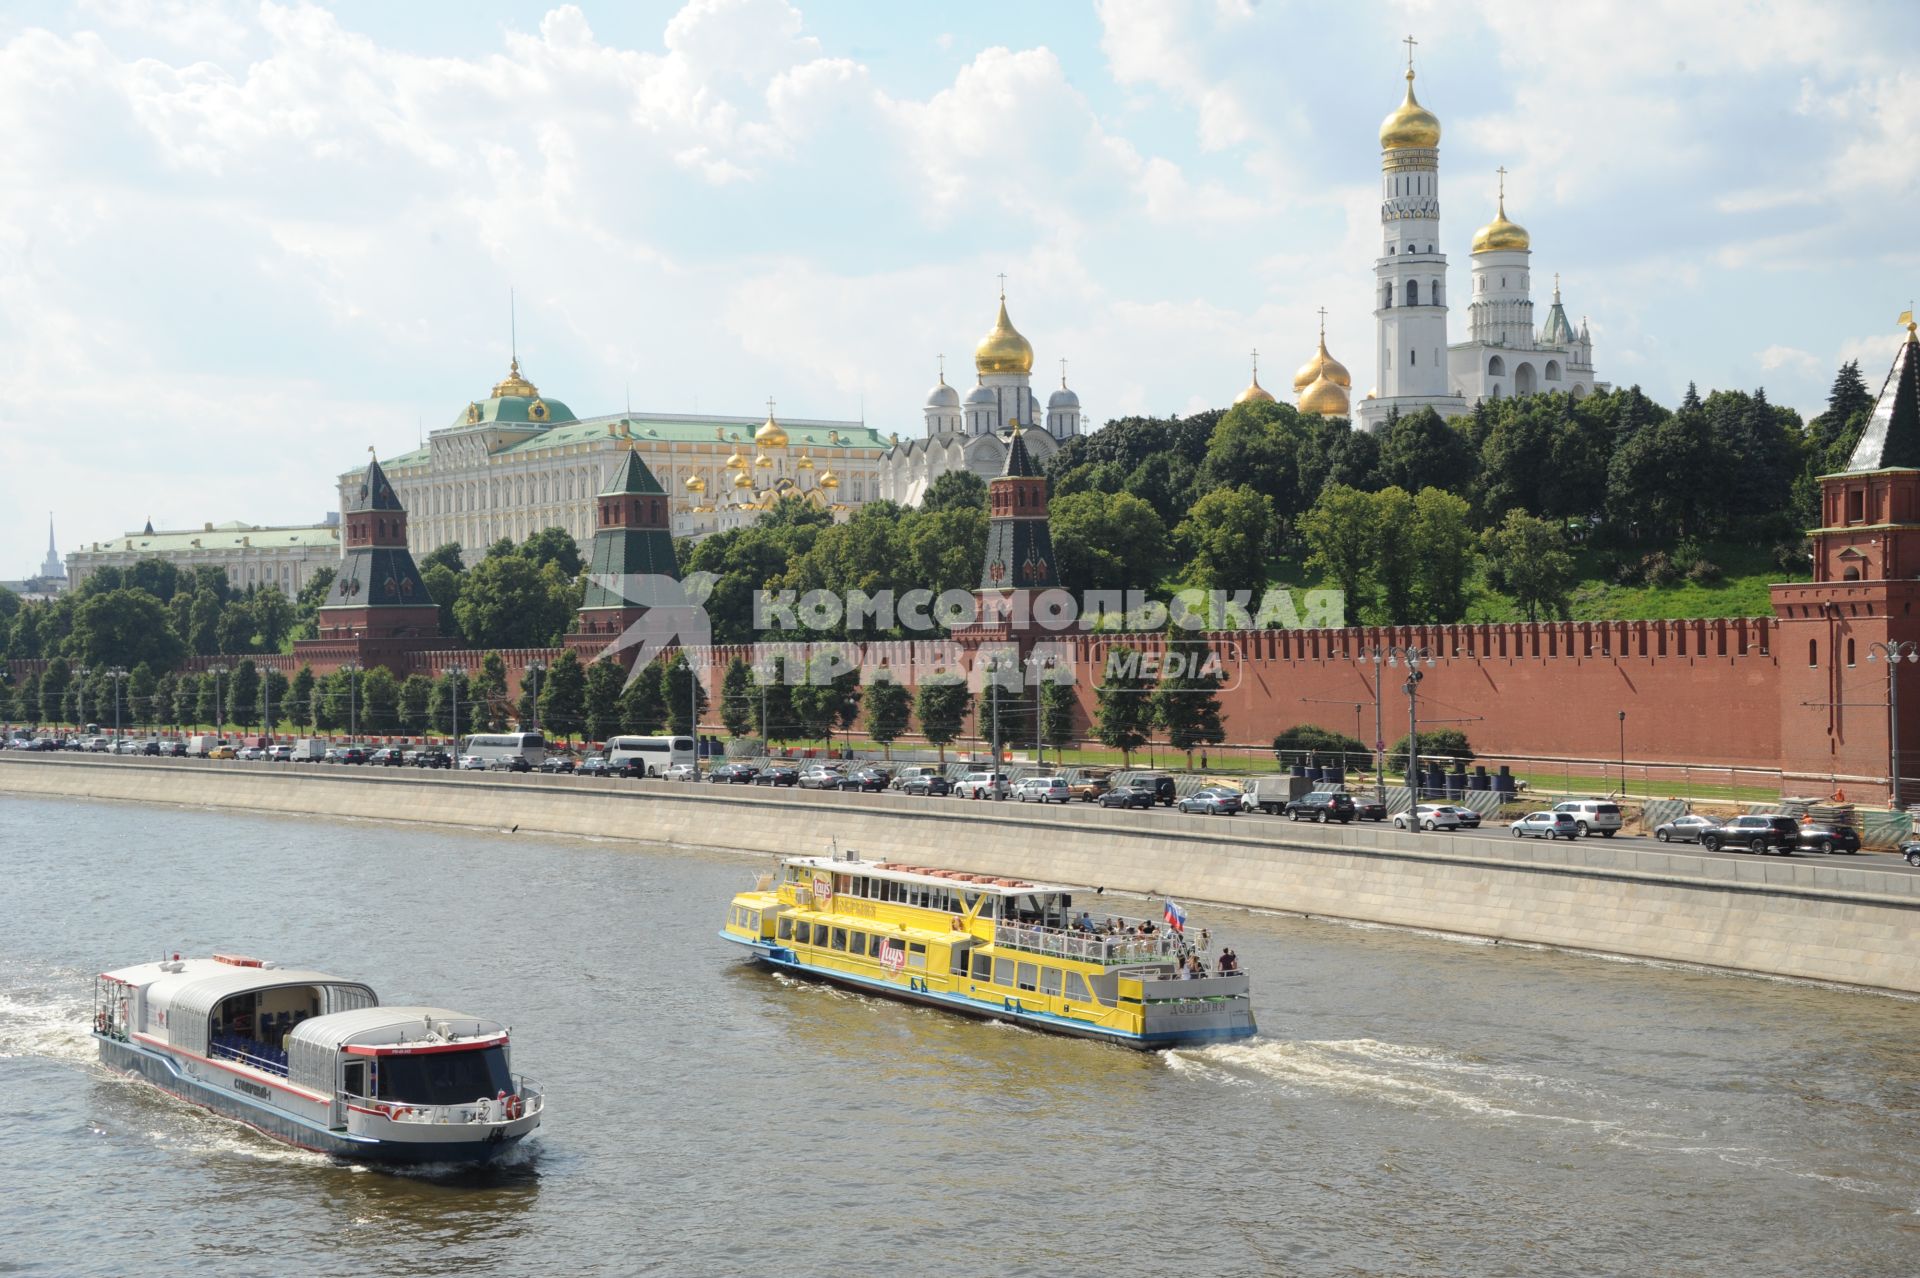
<point>200,745</point>
<point>1272,794</point>
<point>309,750</point>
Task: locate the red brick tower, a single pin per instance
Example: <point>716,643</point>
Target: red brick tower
<point>1866,584</point>
<point>632,557</point>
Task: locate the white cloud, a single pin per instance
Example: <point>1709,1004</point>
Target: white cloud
<point>1788,357</point>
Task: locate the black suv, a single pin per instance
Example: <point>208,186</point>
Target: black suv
<point>1323,806</point>
<point>1754,833</point>
<point>388,757</point>
<point>1829,836</point>
<point>435,758</point>
<point>1135,794</point>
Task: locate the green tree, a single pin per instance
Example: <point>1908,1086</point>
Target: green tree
<point>771,701</point>
<point>1444,546</point>
<point>1123,703</point>
<point>511,602</point>
<point>299,698</point>
<point>54,682</point>
<point>1058,706</point>
<point>243,693</point>
<point>124,627</point>
<point>416,696</point>
<point>554,546</point>
<point>685,699</point>
<point>490,695</point>
<point>642,709</point>
<point>274,688</point>
<point>604,680</point>
<point>186,699</point>
<point>1317,742</point>
<point>1424,450</point>
<point>1653,479</point>
<point>141,682</point>
<point>1186,703</point>
<point>1256,446</point>
<point>941,706</point>
<point>27,699</point>
<point>1342,539</point>
<point>955,489</point>
<point>447,555</point>
<point>889,706</point>
<point>449,708</point>
<point>1107,542</point>
<point>738,707</point>
<point>379,709</point>
<point>329,702</point>
<point>160,706</point>
<point>23,638</point>
<point>563,695</point>
<point>1446,743</point>
<point>444,586</point>
<point>1227,534</point>
<point>1396,556</point>
<point>1527,558</point>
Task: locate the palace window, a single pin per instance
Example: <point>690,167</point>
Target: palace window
<point>1413,292</point>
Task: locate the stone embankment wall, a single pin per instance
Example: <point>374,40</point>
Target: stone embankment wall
<point>1848,923</point>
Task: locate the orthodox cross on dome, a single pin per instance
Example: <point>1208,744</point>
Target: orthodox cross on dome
<point>1063,371</point>
<point>1003,285</point>
<point>1256,363</point>
<point>1502,171</point>
<point>943,368</point>
<point>1409,42</point>
<point>1323,325</point>
<point>769,407</point>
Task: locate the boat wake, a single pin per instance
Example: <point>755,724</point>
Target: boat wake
<point>53,1027</point>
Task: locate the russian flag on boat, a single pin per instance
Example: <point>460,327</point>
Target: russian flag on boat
<point>1175,916</point>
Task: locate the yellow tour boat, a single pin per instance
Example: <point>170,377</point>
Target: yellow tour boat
<point>998,948</point>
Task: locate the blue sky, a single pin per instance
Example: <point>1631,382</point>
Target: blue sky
<point>241,241</point>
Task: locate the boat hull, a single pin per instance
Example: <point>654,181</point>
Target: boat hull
<point>780,958</point>
<point>165,1073</point>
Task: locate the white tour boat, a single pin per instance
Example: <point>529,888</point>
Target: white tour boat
<point>316,1061</point>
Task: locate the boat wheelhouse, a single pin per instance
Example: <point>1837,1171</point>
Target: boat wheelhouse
<point>993,947</point>
<point>316,1061</point>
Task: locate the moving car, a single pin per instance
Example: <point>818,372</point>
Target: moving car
<point>1830,836</point>
<point>1686,828</point>
<point>1759,833</point>
<point>1546,825</point>
<point>1163,788</point>
<point>1322,806</point>
<point>472,763</point>
<point>559,764</point>
<point>1141,795</point>
<point>280,754</point>
<point>222,752</point>
<point>388,757</point>
<point>594,765</point>
<point>1593,816</point>
<point>1214,800</point>
<point>509,763</point>
<point>908,773</point>
<point>432,757</point>
<point>351,754</point>
<point>1427,816</point>
<point>680,772</point>
<point>868,780</point>
<point>1043,790</point>
<point>1092,783</point>
<point>1468,818</point>
<point>927,784</point>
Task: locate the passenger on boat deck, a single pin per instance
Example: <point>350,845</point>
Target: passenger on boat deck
<point>1229,961</point>
<point>1085,922</point>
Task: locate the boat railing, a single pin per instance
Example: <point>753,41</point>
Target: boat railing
<point>1088,947</point>
<point>248,1051</point>
<point>525,1100</point>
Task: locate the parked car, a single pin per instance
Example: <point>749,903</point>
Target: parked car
<point>982,785</point>
<point>778,774</point>
<point>1163,787</point>
<point>222,752</point>
<point>510,763</point>
<point>1427,816</point>
<point>736,774</point>
<point>1686,828</point>
<point>1323,806</point>
<point>388,757</point>
<point>432,757</point>
<point>1368,808</point>
<point>1755,834</point>
<point>1911,851</point>
<point>594,765</point>
<point>127,745</point>
<point>469,763</point>
<point>1593,816</point>
<point>252,754</point>
<point>153,748</point>
<point>1043,790</point>
<point>818,776</point>
<point>175,750</point>
<point>352,754</point>
<point>1831,836</point>
<point>1214,800</point>
<point>927,784</point>
<point>911,771</point>
<point>1468,818</point>
<point>559,764</point>
<point>1546,825</point>
<point>280,754</point>
<point>680,772</point>
<point>870,780</point>
<point>1091,784</point>
<point>1141,795</point>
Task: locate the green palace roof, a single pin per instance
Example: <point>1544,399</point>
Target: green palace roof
<point>621,428</point>
<point>227,536</point>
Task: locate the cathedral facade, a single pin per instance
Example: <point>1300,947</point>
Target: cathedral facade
<point>1504,353</point>
<point>973,433</point>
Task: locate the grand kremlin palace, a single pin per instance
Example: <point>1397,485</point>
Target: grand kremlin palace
<point>517,462</point>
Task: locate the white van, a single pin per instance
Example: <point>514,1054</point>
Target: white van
<point>1593,816</point>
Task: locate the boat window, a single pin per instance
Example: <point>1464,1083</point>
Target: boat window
<point>857,942</point>
<point>839,938</point>
<point>1077,988</point>
<point>917,955</point>
<point>786,929</point>
<point>959,964</point>
<point>354,1080</point>
<point>1029,974</point>
<point>982,966</point>
<point>969,898</point>
<point>753,920</point>
<point>1050,980</point>
<point>1003,971</point>
<point>820,934</point>
<point>444,1078</point>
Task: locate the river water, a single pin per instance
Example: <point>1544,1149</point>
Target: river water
<point>1414,1105</point>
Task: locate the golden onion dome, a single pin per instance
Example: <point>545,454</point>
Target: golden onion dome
<point>1411,125</point>
<point>743,480</point>
<point>1255,393</point>
<point>829,480</point>
<point>514,385</point>
<point>695,484</point>
<point>763,461</point>
<point>736,462</point>
<point>1003,350</point>
<point>1500,234</point>
<point>805,462</point>
<point>770,435</point>
<point>1324,399</point>
<point>1322,365</point>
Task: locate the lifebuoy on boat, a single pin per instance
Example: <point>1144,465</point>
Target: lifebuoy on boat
<point>957,924</point>
<point>100,1022</point>
<point>513,1107</point>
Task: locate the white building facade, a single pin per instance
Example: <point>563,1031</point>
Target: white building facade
<point>1503,355</point>
<point>252,555</point>
<point>972,434</point>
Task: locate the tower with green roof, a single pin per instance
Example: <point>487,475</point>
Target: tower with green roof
<point>632,557</point>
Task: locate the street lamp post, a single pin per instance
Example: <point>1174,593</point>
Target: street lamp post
<point>1392,655</point>
<point>1893,653</point>
<point>532,673</point>
<point>1623,754</point>
<point>452,674</point>
<point>79,686</point>
<point>693,716</point>
<point>350,669</point>
<point>116,673</point>
<point>219,714</point>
